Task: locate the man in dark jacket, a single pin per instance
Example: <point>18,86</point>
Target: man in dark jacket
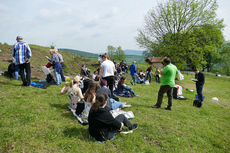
<point>199,79</point>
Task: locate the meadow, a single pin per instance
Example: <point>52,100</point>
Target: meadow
<point>37,120</point>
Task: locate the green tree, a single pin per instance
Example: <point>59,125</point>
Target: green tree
<point>116,53</point>
<point>177,29</point>
<point>222,59</point>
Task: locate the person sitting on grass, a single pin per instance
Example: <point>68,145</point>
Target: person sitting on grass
<point>89,98</point>
<point>102,125</point>
<point>112,104</point>
<point>75,95</point>
<point>124,90</point>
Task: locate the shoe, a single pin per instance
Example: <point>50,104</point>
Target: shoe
<point>155,106</point>
<point>126,106</point>
<point>126,132</point>
<point>136,95</point>
<point>134,127</point>
<point>168,108</point>
<point>29,86</point>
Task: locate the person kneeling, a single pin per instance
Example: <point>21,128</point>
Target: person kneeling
<point>102,125</point>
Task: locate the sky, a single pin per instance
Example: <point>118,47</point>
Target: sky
<point>87,25</point>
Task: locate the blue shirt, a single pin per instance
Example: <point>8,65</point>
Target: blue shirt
<point>21,52</point>
<point>133,69</point>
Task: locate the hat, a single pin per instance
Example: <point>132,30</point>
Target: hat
<point>19,38</point>
<point>103,82</point>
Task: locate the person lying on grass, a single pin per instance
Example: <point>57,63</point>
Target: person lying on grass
<point>113,104</point>
<point>124,90</point>
<point>75,95</point>
<point>102,125</point>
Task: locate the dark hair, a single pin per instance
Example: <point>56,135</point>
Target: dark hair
<point>122,78</point>
<point>194,68</point>
<point>103,82</point>
<point>92,89</point>
<point>167,60</point>
<point>101,99</point>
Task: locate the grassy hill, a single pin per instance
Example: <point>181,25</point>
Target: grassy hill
<point>37,120</point>
<point>72,62</point>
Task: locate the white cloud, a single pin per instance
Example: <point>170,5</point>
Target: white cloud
<point>88,25</point>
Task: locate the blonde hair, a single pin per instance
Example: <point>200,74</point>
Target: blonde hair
<point>75,80</point>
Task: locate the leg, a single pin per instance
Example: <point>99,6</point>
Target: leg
<point>170,96</point>
<point>57,76</point>
<point>61,73</point>
<point>150,77</point>
<point>123,119</point>
<point>28,73</point>
<point>161,92</point>
<point>16,72</point>
<point>22,74</point>
<point>199,92</point>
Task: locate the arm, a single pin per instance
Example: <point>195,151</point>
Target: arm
<point>79,93</point>
<point>64,89</point>
<point>101,71</point>
<point>28,53</point>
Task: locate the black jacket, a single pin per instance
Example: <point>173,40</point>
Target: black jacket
<point>200,78</point>
<point>102,125</point>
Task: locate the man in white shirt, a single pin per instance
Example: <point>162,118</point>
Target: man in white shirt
<point>107,72</point>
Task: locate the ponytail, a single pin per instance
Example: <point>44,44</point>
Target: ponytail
<point>101,99</point>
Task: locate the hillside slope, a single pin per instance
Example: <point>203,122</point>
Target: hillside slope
<point>72,66</point>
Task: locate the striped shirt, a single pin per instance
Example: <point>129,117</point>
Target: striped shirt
<point>21,52</point>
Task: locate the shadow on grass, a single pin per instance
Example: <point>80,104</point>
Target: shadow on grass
<point>75,132</point>
<point>59,106</point>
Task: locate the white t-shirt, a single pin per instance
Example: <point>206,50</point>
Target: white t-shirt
<point>108,68</point>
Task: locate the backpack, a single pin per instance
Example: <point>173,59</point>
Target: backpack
<point>197,103</point>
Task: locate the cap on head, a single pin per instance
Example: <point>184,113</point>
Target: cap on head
<point>19,38</point>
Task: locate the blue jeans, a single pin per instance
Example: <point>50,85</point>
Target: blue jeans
<point>134,79</point>
<point>199,89</point>
<point>58,77</point>
<point>16,72</point>
<point>150,77</point>
<point>115,104</point>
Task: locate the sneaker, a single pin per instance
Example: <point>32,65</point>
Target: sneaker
<point>134,127</point>
<point>168,108</point>
<point>136,95</point>
<point>126,106</point>
<point>126,132</point>
<point>155,106</point>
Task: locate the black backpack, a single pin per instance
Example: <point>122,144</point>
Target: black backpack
<point>197,103</point>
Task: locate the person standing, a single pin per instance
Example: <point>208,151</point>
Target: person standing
<point>167,83</point>
<point>133,72</point>
<point>149,69</point>
<point>56,65</point>
<point>157,75</point>
<point>199,79</point>
<point>62,64</point>
<point>107,72</point>
<point>22,54</point>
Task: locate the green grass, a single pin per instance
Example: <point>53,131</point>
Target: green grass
<point>37,120</point>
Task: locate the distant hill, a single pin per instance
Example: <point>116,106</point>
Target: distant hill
<point>81,53</point>
<point>133,52</point>
<point>131,55</point>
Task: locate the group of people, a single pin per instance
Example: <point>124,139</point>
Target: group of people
<point>94,101</point>
<point>93,96</point>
